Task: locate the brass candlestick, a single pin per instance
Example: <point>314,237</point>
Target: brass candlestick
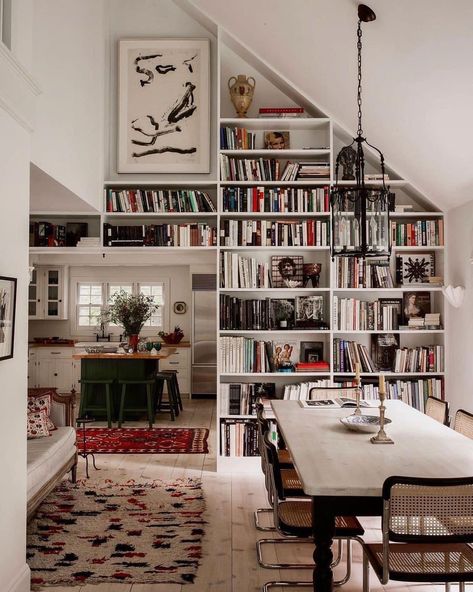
<point>358,395</point>
<point>381,437</point>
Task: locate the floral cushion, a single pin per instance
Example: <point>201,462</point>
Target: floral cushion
<point>37,425</point>
<point>42,403</point>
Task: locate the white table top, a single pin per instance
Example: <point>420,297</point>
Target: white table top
<point>333,461</point>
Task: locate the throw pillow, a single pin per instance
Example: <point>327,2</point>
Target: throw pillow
<point>42,403</point>
<point>37,425</point>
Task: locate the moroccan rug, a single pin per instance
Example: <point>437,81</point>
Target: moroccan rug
<point>132,532</point>
<point>144,440</point>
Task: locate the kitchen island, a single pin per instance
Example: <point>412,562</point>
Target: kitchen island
<point>120,366</point>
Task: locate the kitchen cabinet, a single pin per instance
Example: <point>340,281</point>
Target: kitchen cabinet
<point>54,367</point>
<point>47,295</point>
<point>180,361</point>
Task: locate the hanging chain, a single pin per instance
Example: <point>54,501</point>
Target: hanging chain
<point>359,101</point>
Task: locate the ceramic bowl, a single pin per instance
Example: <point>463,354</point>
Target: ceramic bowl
<point>363,423</point>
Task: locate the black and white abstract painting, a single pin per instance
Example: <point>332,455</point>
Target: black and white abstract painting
<point>7,316</point>
<point>163,106</point>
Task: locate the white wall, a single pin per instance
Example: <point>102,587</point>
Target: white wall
<point>14,181</point>
<point>153,19</point>
<point>460,325</point>
<point>69,66</point>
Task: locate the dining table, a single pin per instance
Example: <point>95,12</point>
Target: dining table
<point>343,472</point>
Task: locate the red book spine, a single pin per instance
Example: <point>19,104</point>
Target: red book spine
<point>281,110</point>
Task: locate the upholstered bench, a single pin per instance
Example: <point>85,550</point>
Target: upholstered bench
<point>51,457</point>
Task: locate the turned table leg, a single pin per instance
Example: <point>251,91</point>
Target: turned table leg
<point>323,522</point>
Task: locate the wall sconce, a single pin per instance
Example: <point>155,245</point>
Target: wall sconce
<point>454,295</point>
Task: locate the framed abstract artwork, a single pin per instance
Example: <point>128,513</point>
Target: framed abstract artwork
<point>7,316</point>
<point>164,105</point>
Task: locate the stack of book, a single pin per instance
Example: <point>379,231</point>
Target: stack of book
<point>274,233</point>
<point>280,200</point>
<point>160,235</point>
<point>347,353</point>
<point>419,359</point>
<point>321,366</point>
<point>281,112</point>
<point>421,233</point>
<point>92,242</point>
<point>237,138</point>
<point>157,201</point>
<point>294,171</point>
<point>356,272</point>
<point>246,169</point>
<point>243,272</point>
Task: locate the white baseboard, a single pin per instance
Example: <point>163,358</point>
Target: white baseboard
<point>21,583</point>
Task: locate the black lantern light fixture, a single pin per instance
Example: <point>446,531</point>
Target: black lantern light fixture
<point>360,207</point>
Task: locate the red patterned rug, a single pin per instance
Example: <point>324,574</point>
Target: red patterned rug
<point>137,533</point>
<point>144,440</point>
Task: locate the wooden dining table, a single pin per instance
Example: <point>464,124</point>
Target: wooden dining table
<point>344,472</point>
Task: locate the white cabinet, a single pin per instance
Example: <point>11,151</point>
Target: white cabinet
<point>180,361</point>
<point>53,367</point>
<point>47,297</point>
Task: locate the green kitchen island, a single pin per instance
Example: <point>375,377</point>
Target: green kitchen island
<point>117,367</point>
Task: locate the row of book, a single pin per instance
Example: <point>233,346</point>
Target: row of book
<point>356,272</point>
<point>245,355</point>
<point>274,233</point>
<point>278,199</point>
<point>419,359</point>
<point>160,235</point>
<point>239,437</point>
<point>351,314</point>
<point>294,171</point>
<point>281,112</point>
<point>243,272</point>
<point>159,201</point>
<point>254,314</point>
<point>347,353</point>
<point>237,138</point>
<point>422,233</point>
<point>240,398</point>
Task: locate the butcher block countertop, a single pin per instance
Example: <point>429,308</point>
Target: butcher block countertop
<point>164,353</point>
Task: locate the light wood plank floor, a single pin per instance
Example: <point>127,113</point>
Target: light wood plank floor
<point>229,563</point>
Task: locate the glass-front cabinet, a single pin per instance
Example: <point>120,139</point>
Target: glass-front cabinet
<point>47,293</point>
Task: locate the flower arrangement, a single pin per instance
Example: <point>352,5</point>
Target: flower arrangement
<point>174,337</point>
<point>130,311</point>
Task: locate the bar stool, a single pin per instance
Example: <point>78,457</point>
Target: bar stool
<point>149,383</point>
<point>86,406</point>
<point>172,405</point>
<point>176,387</point>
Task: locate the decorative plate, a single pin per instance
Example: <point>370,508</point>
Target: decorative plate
<point>363,423</point>
<point>95,349</point>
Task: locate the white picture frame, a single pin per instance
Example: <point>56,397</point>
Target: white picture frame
<point>164,106</point>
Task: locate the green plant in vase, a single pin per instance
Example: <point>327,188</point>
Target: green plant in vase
<point>131,311</point>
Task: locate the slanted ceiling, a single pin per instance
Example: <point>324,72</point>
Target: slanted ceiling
<point>417,67</point>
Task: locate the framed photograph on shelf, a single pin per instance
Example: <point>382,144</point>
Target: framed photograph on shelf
<point>275,140</point>
<point>310,311</point>
<point>285,355</point>
<point>164,105</point>
<point>287,271</point>
<point>311,351</point>
<point>415,305</point>
<point>7,316</point>
<point>383,351</point>
<point>282,311</point>
<point>392,308</point>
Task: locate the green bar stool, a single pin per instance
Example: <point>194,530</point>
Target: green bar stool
<point>176,388</point>
<point>86,390</point>
<point>172,405</point>
<point>149,383</point>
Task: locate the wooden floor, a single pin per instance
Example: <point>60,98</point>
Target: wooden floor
<point>229,563</point>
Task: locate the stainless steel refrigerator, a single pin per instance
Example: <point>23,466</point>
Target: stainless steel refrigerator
<point>204,334</point>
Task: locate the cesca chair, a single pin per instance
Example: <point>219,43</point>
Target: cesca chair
<point>426,526</point>
<point>464,423</point>
<point>437,409</point>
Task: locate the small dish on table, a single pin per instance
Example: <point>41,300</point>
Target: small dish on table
<point>362,423</point>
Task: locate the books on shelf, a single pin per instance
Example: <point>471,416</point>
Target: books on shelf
<point>92,242</point>
<point>240,398</point>
<point>428,358</point>
<point>277,199</point>
<point>274,233</point>
<point>239,437</point>
<point>237,138</point>
<point>159,201</point>
<point>422,233</point>
<point>281,112</point>
<point>243,272</point>
<point>160,235</point>
<point>46,234</point>
<point>347,353</point>
<point>356,272</point>
<point>300,391</point>
<point>270,169</point>
<point>246,355</point>
<point>304,171</point>
<point>351,314</point>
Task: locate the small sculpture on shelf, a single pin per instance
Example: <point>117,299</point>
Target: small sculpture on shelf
<point>347,158</point>
<point>312,274</point>
<point>242,89</point>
